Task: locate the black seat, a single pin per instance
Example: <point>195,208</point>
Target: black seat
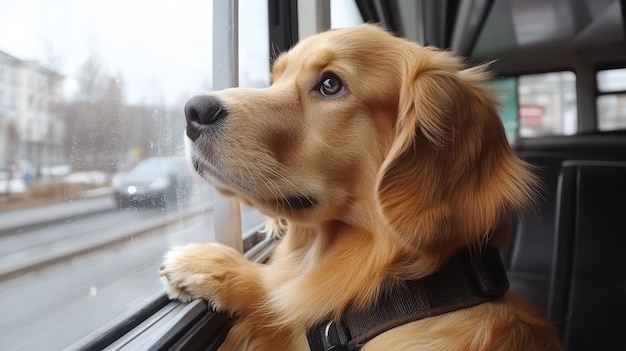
<point>530,261</point>
<point>587,303</point>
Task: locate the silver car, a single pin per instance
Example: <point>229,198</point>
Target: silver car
<point>155,182</point>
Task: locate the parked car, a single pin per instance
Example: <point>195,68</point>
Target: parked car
<point>157,182</point>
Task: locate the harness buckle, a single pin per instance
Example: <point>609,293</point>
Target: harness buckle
<point>328,337</point>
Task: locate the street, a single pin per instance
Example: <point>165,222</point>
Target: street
<point>51,307</point>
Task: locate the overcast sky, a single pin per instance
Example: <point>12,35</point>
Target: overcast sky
<point>162,48</point>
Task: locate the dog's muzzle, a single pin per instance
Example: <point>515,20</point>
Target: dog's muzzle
<point>202,112</point>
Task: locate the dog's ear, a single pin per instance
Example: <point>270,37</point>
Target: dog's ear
<point>450,176</point>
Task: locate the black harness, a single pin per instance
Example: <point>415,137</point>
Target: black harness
<point>469,278</point>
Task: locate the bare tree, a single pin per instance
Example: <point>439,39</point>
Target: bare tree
<point>92,80</point>
<point>104,133</point>
<point>52,59</point>
<point>95,119</point>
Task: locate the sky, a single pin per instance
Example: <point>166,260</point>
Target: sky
<point>161,48</point>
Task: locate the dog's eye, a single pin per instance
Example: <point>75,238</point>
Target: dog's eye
<point>330,85</point>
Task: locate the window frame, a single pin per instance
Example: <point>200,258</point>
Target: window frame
<point>600,93</point>
<point>226,212</point>
<point>163,324</point>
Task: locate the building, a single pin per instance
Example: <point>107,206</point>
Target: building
<point>32,128</point>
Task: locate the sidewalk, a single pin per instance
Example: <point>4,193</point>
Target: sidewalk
<point>95,200</point>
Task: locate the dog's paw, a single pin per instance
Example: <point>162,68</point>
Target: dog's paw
<point>200,271</point>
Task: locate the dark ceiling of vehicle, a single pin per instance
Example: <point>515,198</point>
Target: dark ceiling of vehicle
<point>522,36</point>
<point>524,23</point>
<point>550,28</point>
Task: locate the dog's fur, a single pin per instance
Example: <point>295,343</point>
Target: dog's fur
<point>405,166</point>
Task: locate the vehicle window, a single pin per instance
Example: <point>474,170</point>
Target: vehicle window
<point>547,104</point>
<point>93,185</point>
<point>344,14</point>
<point>505,91</point>
<point>612,99</point>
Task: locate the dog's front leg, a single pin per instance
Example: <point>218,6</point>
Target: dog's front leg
<point>231,283</point>
<point>216,273</point>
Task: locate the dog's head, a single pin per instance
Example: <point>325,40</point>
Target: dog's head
<point>366,129</point>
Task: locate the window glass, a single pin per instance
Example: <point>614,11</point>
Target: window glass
<point>344,13</point>
<point>613,80</point>
<point>93,188</point>
<point>254,47</point>
<point>547,104</point>
<point>612,101</point>
<point>612,112</point>
<point>505,91</point>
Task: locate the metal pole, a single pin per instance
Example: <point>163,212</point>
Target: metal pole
<point>313,17</point>
<point>227,213</point>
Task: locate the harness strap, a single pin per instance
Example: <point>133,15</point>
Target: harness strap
<point>469,278</point>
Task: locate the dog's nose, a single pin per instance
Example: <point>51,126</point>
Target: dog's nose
<point>202,111</point>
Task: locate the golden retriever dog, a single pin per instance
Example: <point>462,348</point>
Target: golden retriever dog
<point>384,158</point>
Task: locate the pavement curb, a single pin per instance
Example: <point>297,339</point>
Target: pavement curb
<point>33,217</point>
<point>136,231</point>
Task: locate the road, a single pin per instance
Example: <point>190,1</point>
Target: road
<point>54,306</point>
<point>40,240</point>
